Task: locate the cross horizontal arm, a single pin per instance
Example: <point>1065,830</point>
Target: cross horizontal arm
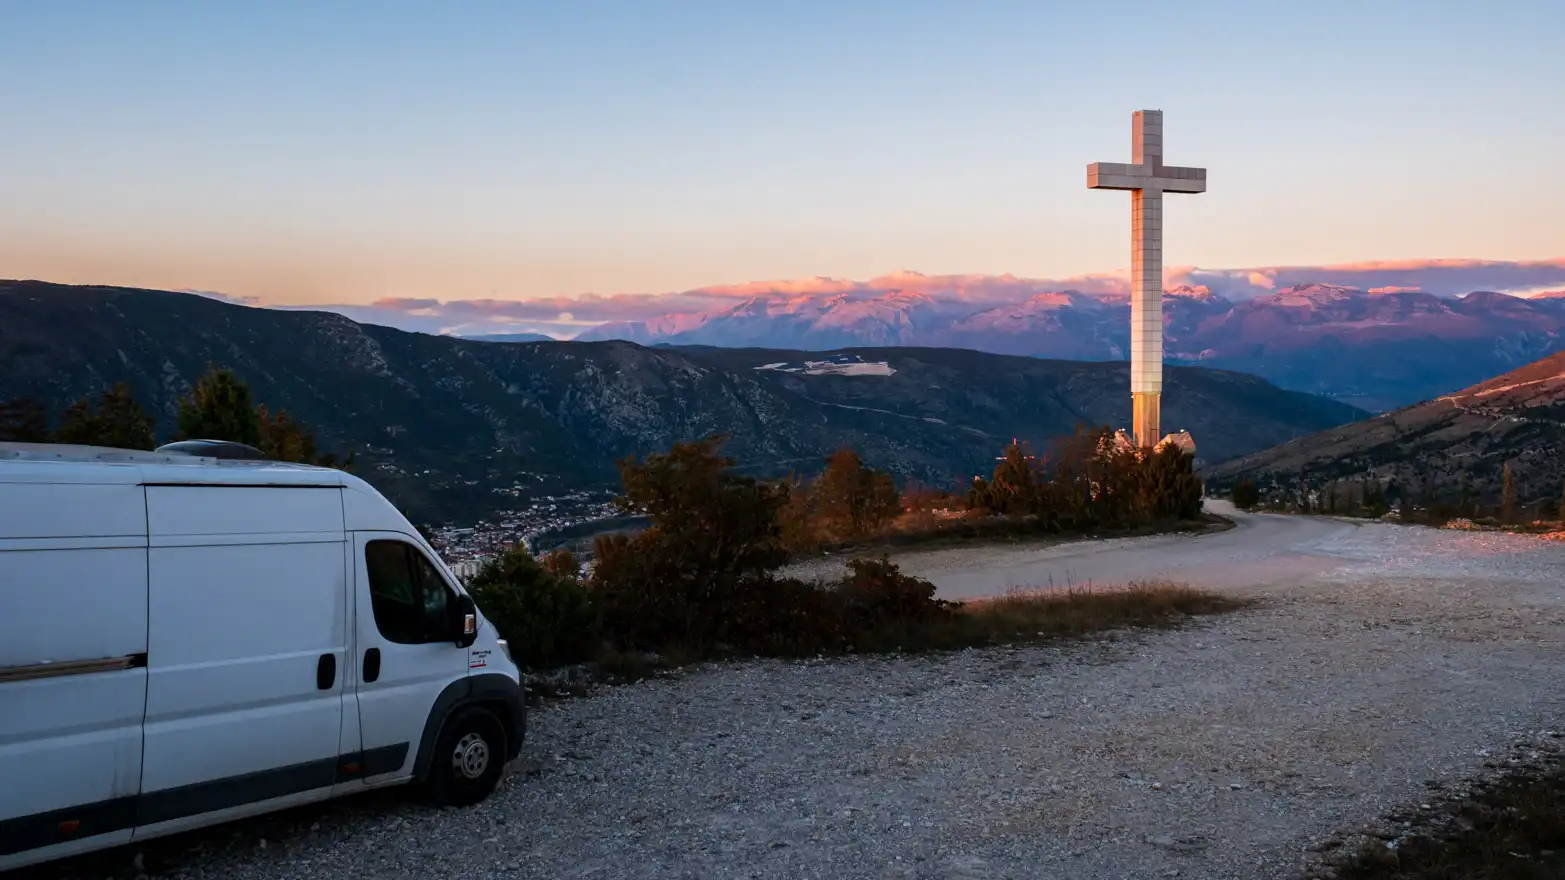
<point>1164,178</point>
<point>1172,178</point>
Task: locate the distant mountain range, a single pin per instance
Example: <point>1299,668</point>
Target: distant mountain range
<point>442,423</point>
<point>1518,417</point>
<point>1376,349</point>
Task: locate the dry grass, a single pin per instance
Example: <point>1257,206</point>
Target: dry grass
<point>1024,616</point>
<point>1076,610</point>
<point>1039,615</point>
<point>1511,828</point>
<point>915,533</point>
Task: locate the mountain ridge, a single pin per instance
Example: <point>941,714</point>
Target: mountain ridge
<point>444,424</point>
<point>1517,417</point>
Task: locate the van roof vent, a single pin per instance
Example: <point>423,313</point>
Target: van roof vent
<point>221,449</point>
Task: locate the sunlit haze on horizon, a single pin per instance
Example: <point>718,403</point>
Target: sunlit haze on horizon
<point>346,153</point>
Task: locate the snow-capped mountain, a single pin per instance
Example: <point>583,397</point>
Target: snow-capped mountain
<point>1376,348</point>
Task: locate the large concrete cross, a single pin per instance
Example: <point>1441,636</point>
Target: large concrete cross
<point>1147,179</point>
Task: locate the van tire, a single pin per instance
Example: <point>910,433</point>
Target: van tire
<point>469,758</point>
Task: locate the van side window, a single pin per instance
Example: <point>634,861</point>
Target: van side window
<point>407,594</point>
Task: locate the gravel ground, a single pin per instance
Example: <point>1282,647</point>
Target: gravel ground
<point>1386,660</point>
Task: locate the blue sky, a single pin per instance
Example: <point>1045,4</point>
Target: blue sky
<point>348,151</point>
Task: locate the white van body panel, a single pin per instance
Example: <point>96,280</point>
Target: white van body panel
<point>243,511</point>
<point>83,510</point>
<point>73,587</point>
<point>226,603</point>
<point>239,631</point>
<point>364,510</point>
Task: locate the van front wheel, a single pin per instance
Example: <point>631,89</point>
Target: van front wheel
<point>469,758</point>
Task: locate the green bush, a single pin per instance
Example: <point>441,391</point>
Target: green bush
<point>549,620</point>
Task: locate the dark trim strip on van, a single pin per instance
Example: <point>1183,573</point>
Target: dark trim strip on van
<point>200,485</point>
<point>73,823</point>
<point>71,667</point>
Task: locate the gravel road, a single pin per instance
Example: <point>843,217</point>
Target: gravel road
<point>1384,658</point>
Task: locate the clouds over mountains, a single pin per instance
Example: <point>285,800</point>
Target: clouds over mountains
<point>571,316</point>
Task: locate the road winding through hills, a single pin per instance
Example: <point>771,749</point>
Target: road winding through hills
<point>1383,663</point>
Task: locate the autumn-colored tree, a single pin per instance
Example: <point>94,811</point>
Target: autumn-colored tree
<point>1507,495</point>
<point>24,420</point>
<point>220,407</point>
<point>562,563</point>
<point>697,574</point>
<point>797,520</point>
<point>853,500</point>
<point>115,419</point>
<point>284,438</point>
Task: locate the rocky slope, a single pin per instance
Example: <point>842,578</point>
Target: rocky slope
<point>441,423</point>
<point>1517,417</point>
<point>1376,349</point>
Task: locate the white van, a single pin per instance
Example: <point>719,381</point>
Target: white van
<point>186,640</point>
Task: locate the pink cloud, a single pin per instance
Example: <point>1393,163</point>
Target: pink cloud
<point>1442,277</point>
<point>567,316</point>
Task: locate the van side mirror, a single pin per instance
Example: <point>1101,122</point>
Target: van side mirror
<point>465,621</point>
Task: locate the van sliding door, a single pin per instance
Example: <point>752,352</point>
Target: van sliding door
<point>248,615</point>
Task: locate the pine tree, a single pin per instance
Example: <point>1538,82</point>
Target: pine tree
<point>1013,490</point>
<point>116,420</point>
<point>220,408</point>
<point>23,420</point>
<point>1562,504</point>
<point>124,421</point>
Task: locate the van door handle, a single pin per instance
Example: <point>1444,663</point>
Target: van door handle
<point>371,665</point>
<point>326,672</point>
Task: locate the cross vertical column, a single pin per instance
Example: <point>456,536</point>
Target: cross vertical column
<point>1146,313</point>
<point>1146,280</point>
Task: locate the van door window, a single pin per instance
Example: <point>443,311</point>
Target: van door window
<point>409,597</point>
